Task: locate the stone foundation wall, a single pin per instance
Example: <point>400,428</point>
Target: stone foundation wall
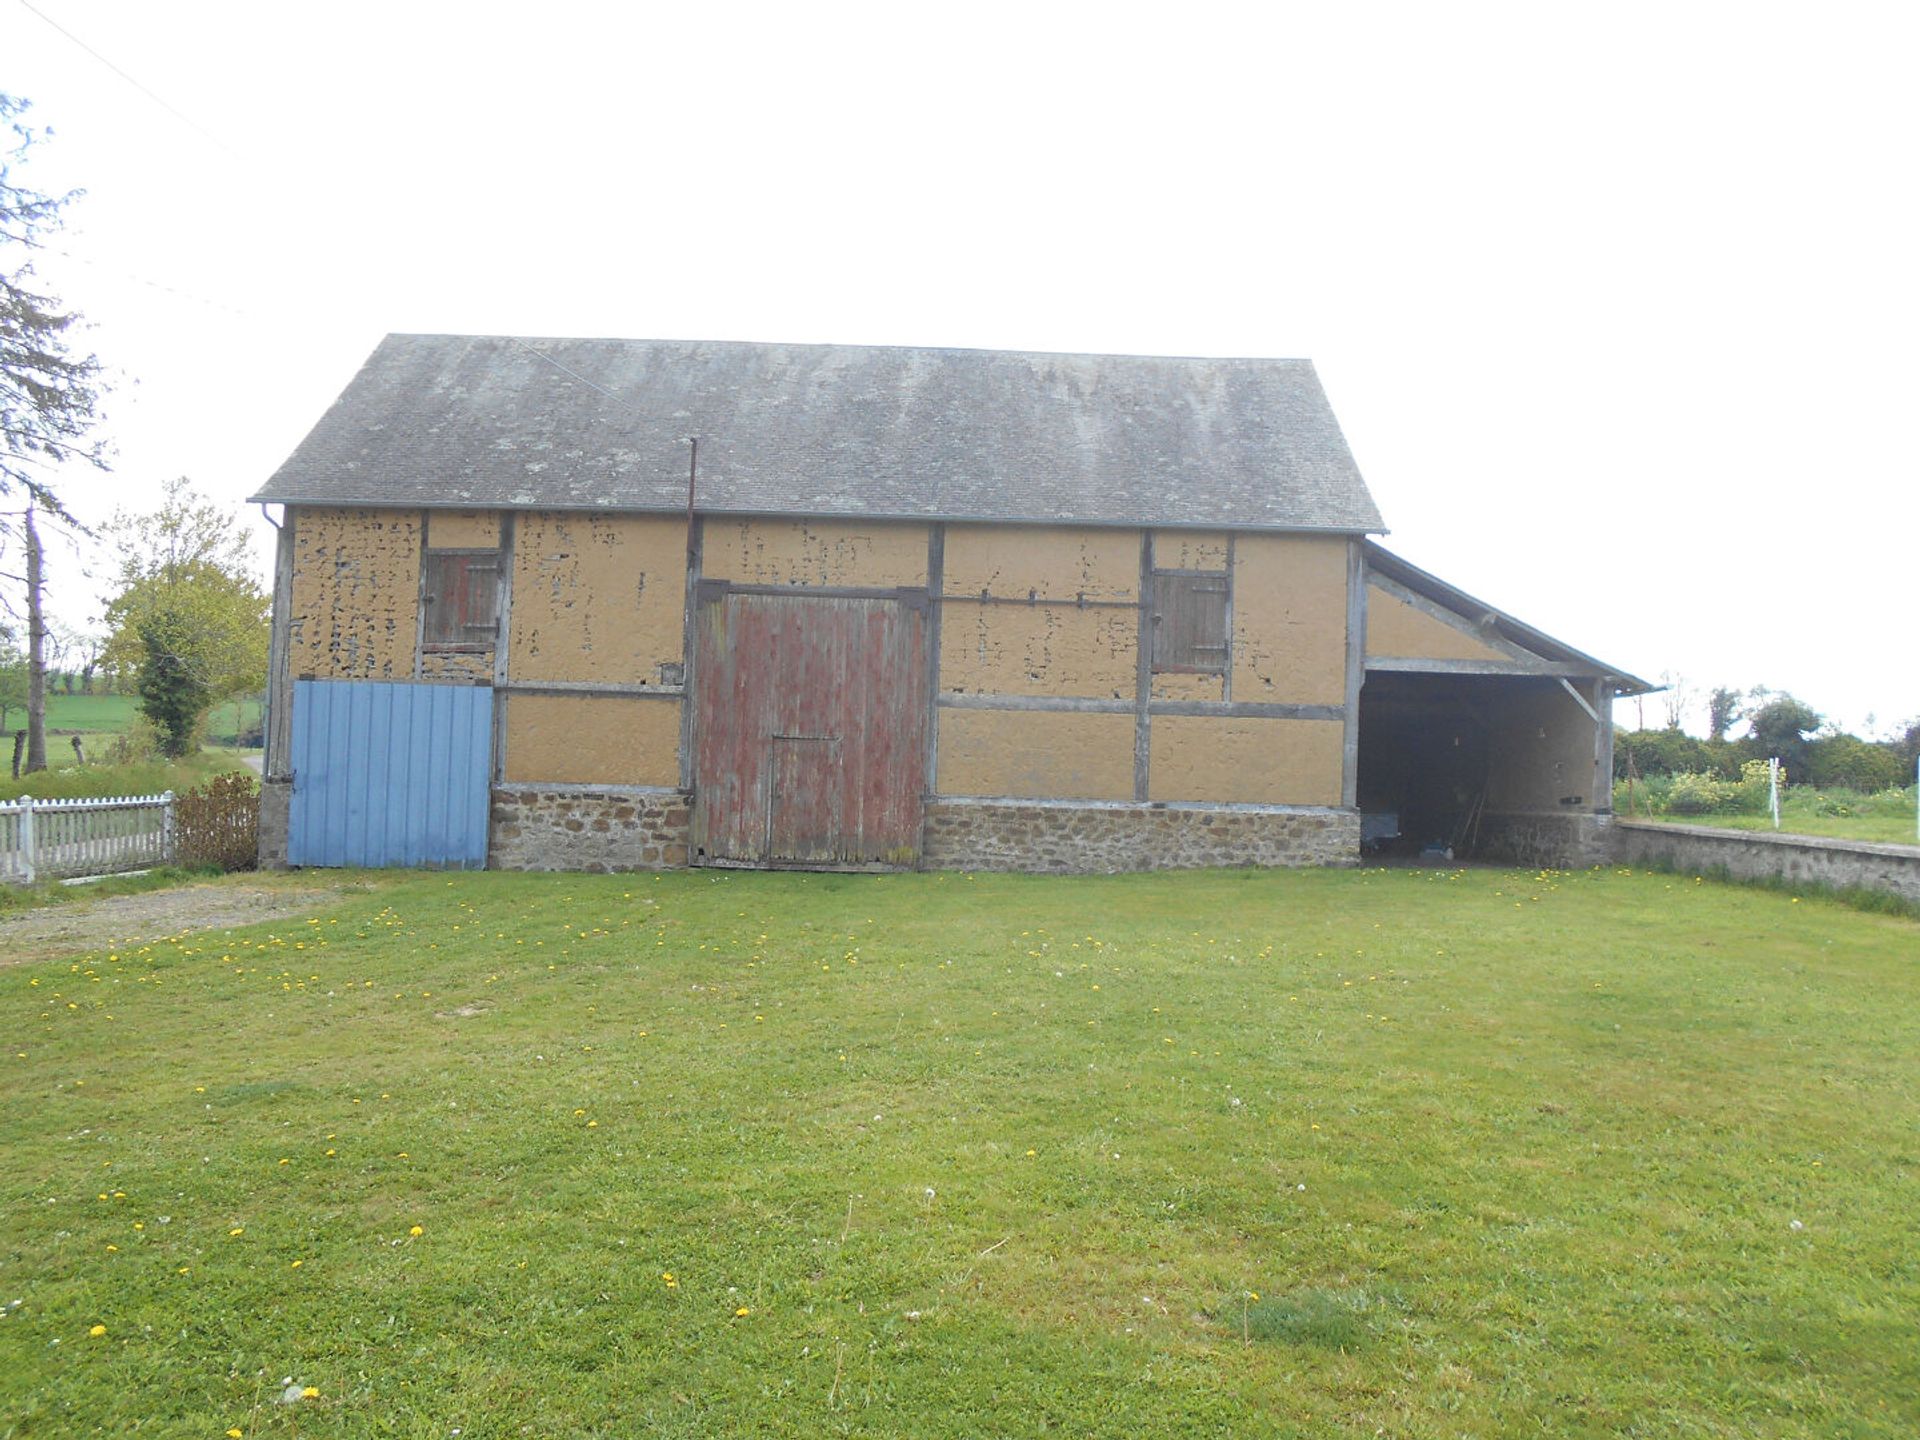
<point>590,830</point>
<point>276,808</point>
<point>1556,841</point>
<point>1765,855</point>
<point>1068,839</point>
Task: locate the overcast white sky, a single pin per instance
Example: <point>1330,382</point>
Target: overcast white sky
<point>1617,305</point>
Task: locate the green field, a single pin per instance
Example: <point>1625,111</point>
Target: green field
<point>102,715</point>
<point>147,777</point>
<point>1408,1153</point>
<point>1887,817</point>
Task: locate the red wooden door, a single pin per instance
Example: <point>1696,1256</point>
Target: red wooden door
<point>810,716</point>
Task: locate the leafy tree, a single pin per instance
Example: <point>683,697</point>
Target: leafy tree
<point>13,681</point>
<point>189,622</point>
<point>1780,727</point>
<point>49,394</point>
<point>1905,744</point>
<point>174,693</point>
<point>1723,709</point>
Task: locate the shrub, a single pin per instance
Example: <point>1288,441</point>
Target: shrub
<point>1852,763</point>
<point>218,823</point>
<point>1696,794</point>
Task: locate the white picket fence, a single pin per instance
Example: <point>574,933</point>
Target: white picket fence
<point>46,838</point>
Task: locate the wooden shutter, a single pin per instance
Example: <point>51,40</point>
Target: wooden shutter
<point>1190,623</point>
<point>462,597</point>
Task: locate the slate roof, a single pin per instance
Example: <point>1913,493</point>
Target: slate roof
<point>494,421</point>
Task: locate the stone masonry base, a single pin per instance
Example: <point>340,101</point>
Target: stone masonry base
<point>276,800</point>
<point>589,830</point>
<point>1558,840</point>
<point>1070,839</point>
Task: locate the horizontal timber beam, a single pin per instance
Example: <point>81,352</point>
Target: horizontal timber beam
<point>1224,709</point>
<point>1418,666</point>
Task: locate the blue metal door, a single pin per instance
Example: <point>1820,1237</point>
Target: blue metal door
<point>390,773</point>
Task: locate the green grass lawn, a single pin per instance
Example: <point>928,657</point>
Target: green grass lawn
<point>707,1154</point>
<point>1885,829</point>
<point>147,777</point>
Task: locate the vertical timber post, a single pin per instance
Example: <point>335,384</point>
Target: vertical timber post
<point>502,638</point>
<point>279,716</point>
<point>1143,677</point>
<point>936,587</point>
<point>1603,748</point>
<point>1356,674</point>
<point>696,544</point>
<point>26,839</point>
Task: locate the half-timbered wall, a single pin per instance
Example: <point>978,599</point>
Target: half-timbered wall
<point>1052,677</point>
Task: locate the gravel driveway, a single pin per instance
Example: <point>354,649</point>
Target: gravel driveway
<point>55,930</point>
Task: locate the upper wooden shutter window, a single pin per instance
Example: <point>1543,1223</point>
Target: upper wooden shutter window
<point>462,599</point>
<point>1190,623</point>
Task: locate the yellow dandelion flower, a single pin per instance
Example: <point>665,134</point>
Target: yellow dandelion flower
<point>418,1230</point>
<point>237,1230</point>
<point>743,1310</point>
<point>97,1331</point>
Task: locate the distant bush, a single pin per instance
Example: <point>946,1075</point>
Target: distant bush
<point>1660,752</point>
<point>1852,763</point>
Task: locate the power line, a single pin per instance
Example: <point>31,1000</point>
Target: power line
<point>183,118</point>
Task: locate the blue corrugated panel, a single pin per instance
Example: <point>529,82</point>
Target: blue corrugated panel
<point>390,773</point>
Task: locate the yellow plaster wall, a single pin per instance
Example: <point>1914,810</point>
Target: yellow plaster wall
<point>1290,619</point>
<point>1190,550</point>
<point>879,555</point>
<point>597,597</point>
<point>1177,685</point>
<point>467,665</point>
<point>1038,754</point>
<point>1037,650</point>
<point>356,593</point>
<point>593,740</point>
<point>1395,628</point>
<point>1272,762</point>
<point>1049,562</point>
<point>463,529</point>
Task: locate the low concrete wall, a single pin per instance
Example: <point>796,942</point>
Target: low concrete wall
<point>590,830</point>
<point>1065,838</point>
<point>276,808</point>
<point>1559,840</point>
<point>1765,855</point>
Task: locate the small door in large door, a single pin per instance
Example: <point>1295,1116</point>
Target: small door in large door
<point>809,729</point>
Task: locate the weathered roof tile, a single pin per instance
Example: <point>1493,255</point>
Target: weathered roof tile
<point>487,421</point>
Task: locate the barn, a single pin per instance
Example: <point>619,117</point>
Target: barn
<point>628,604</point>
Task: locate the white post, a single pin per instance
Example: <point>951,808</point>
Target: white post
<point>166,828</point>
<point>26,839</point>
<point>1773,789</point>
